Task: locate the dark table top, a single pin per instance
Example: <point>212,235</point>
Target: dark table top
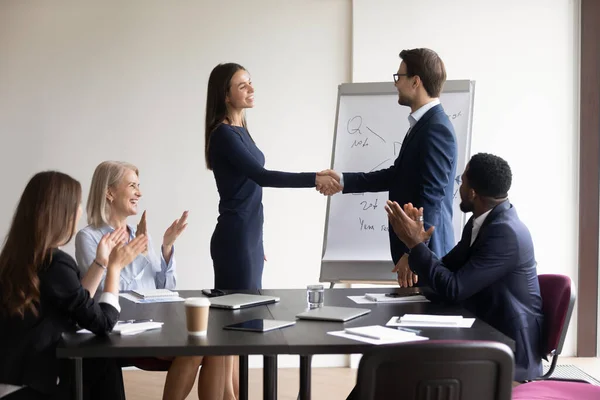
<point>305,337</point>
<point>310,337</point>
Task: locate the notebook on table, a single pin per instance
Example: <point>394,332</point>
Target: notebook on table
<point>154,293</point>
<point>329,313</point>
<point>239,300</point>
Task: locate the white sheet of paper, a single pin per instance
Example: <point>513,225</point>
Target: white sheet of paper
<point>134,329</point>
<point>382,298</point>
<point>387,336</point>
<point>136,299</point>
<point>411,299</point>
<point>448,319</point>
<point>463,323</point>
<point>131,329</point>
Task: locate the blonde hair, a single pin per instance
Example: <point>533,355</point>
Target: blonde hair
<point>107,174</point>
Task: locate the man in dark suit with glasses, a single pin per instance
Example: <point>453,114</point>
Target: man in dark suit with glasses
<point>423,174</point>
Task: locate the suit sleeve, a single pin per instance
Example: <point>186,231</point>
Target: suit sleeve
<point>228,144</point>
<point>491,260</point>
<point>376,181</point>
<point>61,284</point>
<point>450,260</point>
<point>437,157</point>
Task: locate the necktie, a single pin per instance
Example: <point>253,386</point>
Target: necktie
<point>468,231</point>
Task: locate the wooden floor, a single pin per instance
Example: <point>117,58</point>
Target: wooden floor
<point>327,383</point>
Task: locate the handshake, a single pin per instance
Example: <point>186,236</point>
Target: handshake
<point>328,182</point>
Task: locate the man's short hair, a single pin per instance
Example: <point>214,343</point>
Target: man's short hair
<point>428,66</point>
<point>489,175</point>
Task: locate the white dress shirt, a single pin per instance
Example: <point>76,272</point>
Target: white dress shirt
<point>413,118</point>
<point>477,222</point>
<point>148,271</point>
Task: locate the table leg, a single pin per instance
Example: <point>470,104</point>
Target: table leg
<point>78,379</point>
<point>305,375</point>
<point>270,378</point>
<point>243,378</point>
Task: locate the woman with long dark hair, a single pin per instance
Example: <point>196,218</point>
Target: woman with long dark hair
<point>238,166</point>
<point>41,295</point>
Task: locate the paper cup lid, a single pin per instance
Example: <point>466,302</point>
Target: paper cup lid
<point>197,302</point>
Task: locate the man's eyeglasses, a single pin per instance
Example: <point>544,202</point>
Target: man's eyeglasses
<point>396,76</point>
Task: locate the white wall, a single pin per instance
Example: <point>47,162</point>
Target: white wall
<point>524,57</point>
<point>84,82</point>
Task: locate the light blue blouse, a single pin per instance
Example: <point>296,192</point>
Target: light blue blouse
<point>145,272</point>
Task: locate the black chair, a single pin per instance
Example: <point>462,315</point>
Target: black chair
<point>436,370</point>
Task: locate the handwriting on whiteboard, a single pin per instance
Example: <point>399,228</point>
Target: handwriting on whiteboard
<point>365,226</point>
<point>367,205</point>
<point>454,116</point>
<point>355,127</point>
<point>363,134</point>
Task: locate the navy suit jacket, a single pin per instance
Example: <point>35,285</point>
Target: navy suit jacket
<point>496,279</point>
<point>423,174</point>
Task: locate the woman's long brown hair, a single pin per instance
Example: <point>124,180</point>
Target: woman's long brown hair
<point>219,83</point>
<point>44,219</point>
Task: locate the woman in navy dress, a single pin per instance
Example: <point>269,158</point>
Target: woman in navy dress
<point>236,246</point>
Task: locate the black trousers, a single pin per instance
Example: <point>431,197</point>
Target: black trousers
<point>102,380</point>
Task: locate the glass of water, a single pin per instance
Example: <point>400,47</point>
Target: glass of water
<point>315,296</point>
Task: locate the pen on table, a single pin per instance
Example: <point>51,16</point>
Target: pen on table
<point>366,335</point>
<point>134,321</point>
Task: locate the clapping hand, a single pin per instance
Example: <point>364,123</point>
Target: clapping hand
<point>408,225</point>
<point>108,243</point>
<point>173,231</point>
<point>406,278</point>
<point>328,182</point>
<point>142,229</point>
<point>122,255</point>
<point>413,212</point>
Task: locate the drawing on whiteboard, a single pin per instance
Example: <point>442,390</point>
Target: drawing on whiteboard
<point>378,165</point>
<point>356,239</point>
<point>397,147</point>
<point>458,180</point>
<point>375,133</point>
<point>354,125</point>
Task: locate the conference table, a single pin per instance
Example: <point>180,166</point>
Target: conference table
<point>305,339</point>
